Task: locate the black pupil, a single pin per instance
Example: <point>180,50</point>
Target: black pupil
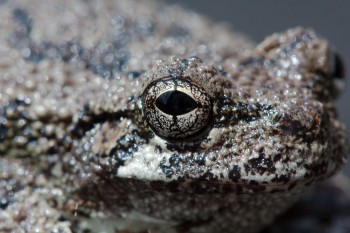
<point>175,103</point>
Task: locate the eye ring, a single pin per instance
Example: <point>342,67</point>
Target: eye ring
<point>176,108</point>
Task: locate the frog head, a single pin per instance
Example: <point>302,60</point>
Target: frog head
<point>266,122</point>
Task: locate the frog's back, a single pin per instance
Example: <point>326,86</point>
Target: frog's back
<point>57,57</point>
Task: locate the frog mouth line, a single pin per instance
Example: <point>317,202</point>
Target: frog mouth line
<point>196,187</point>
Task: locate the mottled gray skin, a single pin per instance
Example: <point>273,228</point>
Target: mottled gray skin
<point>78,153</point>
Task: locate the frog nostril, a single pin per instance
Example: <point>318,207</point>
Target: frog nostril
<point>338,68</point>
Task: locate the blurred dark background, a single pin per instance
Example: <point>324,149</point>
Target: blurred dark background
<point>259,19</point>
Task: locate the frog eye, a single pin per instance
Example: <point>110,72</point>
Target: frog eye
<point>176,108</point>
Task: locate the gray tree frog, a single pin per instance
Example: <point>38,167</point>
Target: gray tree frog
<point>132,116</point>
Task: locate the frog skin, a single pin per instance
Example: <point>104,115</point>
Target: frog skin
<point>127,116</point>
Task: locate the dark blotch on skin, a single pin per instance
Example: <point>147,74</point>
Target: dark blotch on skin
<point>120,157</point>
<point>241,111</point>
<point>277,158</point>
<point>35,56</point>
<point>174,163</point>
<point>21,16</point>
<point>235,173</point>
<point>126,146</point>
<point>11,186</point>
<point>283,178</point>
<point>96,59</point>
<point>106,59</point>
<point>207,176</point>
<point>9,122</point>
<point>200,159</point>
<point>247,168</point>
<point>3,128</point>
<point>175,160</point>
<point>317,169</point>
<point>133,75</point>
<point>262,164</point>
<point>167,169</point>
<point>158,149</point>
<point>4,203</point>
<point>88,119</point>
